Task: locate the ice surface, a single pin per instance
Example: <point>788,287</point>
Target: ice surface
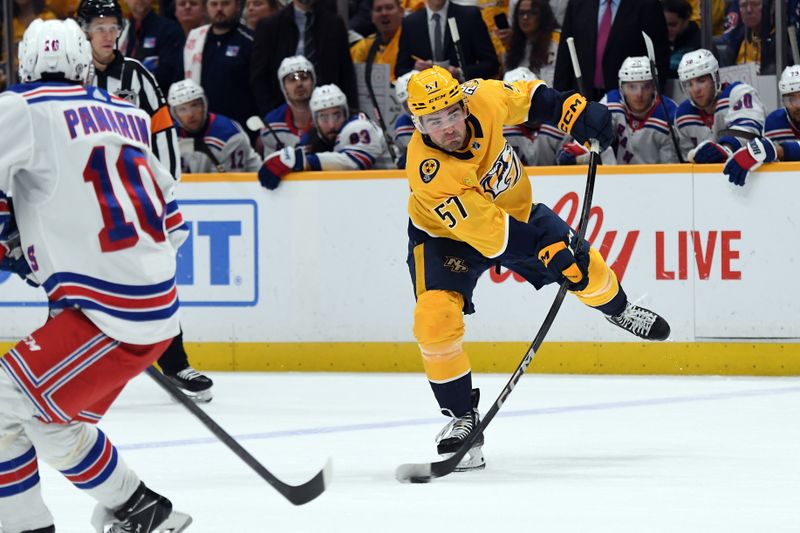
<point>565,454</point>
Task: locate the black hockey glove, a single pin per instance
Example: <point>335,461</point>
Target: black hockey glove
<point>568,258</point>
<point>586,120</point>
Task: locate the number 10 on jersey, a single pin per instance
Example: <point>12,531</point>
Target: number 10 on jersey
<point>118,232</point>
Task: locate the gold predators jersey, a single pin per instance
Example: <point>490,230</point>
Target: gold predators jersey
<point>468,195</point>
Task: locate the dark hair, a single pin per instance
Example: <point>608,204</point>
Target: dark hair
<point>682,8</point>
<point>541,39</point>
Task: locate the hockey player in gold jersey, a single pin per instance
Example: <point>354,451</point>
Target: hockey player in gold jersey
<point>471,207</point>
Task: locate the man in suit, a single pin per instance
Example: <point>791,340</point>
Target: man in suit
<point>605,33</point>
<point>307,28</point>
<point>425,39</point>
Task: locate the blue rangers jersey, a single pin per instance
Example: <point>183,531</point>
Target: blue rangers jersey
<point>781,129</point>
<point>281,121</point>
<point>738,107</point>
<point>642,140</point>
<point>360,145</point>
<point>222,147</point>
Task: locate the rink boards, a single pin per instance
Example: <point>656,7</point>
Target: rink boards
<point>312,276</point>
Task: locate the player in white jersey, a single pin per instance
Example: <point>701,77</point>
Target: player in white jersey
<point>99,228</point>
<point>641,123</point>
<point>783,124</point>
<point>535,144</point>
<point>716,118</point>
<point>209,142</point>
<point>336,143</point>
<point>288,122</point>
<point>127,78</point>
<point>403,126</point>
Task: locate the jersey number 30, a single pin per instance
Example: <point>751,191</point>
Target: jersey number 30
<point>118,233</point>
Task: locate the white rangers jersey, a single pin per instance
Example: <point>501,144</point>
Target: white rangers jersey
<point>535,146</point>
<point>360,145</point>
<point>222,147</point>
<point>94,206</point>
<point>281,128</point>
<point>738,107</point>
<point>642,140</point>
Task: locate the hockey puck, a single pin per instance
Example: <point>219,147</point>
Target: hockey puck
<point>420,479</point>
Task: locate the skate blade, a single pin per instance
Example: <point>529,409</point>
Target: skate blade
<point>175,523</point>
<point>474,460</point>
<point>204,396</point>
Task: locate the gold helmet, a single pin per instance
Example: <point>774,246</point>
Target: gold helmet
<point>432,90</point>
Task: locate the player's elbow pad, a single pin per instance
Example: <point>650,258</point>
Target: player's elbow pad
<point>545,105</point>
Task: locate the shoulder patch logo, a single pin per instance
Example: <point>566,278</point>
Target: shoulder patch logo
<point>428,169</point>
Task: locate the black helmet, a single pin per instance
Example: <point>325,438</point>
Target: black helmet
<point>89,9</point>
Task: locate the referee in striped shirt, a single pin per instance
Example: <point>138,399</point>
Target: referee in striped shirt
<point>129,79</point>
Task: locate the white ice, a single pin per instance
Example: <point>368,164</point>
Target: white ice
<point>565,454</point>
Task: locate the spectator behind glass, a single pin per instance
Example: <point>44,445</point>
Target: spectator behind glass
<point>715,118</point>
<point>387,15</point>
<point>190,14</point>
<point>752,40</point>
<point>783,124</point>
<point>682,32</point>
<point>154,40</point>
<point>217,57</point>
<point>421,45</point>
<point>255,10</point>
<point>292,119</point>
<point>533,39</point>
<point>718,8</point>
<point>24,12</point>
<point>605,33</point>
<point>307,28</point>
<point>338,141</point>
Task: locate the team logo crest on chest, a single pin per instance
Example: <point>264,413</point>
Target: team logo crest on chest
<point>428,169</point>
<point>503,174</point>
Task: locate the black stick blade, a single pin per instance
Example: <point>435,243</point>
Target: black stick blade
<point>302,494</point>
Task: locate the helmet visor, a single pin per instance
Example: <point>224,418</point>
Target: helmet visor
<point>442,120</point>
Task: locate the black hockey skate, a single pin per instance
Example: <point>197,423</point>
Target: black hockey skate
<point>641,322</point>
<point>146,512</point>
<point>48,529</point>
<point>450,438</point>
<point>193,384</point>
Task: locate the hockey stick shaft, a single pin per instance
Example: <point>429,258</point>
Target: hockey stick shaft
<point>255,123</point>
<point>651,55</point>
<point>424,472</point>
<point>371,91</point>
<point>793,44</point>
<point>298,494</point>
<point>451,22</point>
<point>576,66</point>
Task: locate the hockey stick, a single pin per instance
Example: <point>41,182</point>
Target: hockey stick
<point>368,80</point>
<point>451,22</point>
<point>793,44</point>
<point>297,494</point>
<point>651,54</point>
<point>255,124</point>
<point>576,67</point>
<point>425,472</point>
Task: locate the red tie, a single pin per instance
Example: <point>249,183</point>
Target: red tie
<point>602,38</point>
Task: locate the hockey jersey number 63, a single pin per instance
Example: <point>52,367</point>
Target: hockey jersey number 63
<point>94,207</point>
